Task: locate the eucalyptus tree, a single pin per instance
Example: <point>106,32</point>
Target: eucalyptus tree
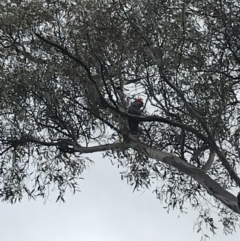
<point>68,71</point>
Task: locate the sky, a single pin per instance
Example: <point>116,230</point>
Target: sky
<point>106,209</point>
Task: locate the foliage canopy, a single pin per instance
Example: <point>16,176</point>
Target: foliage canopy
<point>68,71</point>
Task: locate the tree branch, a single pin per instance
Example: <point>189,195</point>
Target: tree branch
<point>71,145</point>
<point>212,187</point>
<point>77,60</point>
<point>210,138</point>
<point>170,122</point>
<point>209,162</point>
<point>107,147</point>
<point>153,118</point>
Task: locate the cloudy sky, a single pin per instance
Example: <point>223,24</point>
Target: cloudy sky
<point>105,209</point>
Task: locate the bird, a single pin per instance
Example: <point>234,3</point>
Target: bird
<point>134,109</point>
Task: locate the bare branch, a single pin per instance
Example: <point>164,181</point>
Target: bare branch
<point>70,145</point>
<point>198,151</point>
<point>100,148</point>
<point>170,122</point>
<point>133,81</point>
<point>209,162</point>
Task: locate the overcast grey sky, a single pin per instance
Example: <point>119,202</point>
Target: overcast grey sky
<point>106,209</point>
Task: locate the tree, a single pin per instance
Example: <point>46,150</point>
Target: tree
<point>70,68</point>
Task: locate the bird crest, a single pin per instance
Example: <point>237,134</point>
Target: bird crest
<point>140,101</point>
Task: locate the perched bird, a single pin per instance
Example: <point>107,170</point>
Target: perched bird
<point>134,109</point>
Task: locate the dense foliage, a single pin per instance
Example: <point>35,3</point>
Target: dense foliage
<point>68,71</point>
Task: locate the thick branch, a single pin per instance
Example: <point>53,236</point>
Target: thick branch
<point>212,187</point>
<point>226,164</point>
<point>170,122</point>
<point>133,81</point>
<point>92,149</point>
<point>74,147</point>
<point>209,162</point>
